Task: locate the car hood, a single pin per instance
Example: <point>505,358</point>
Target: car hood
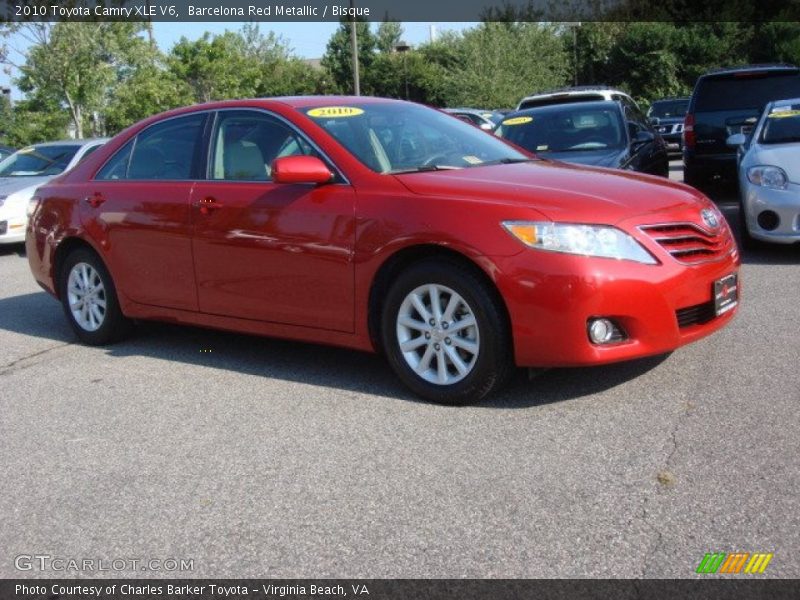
<point>10,185</point>
<point>596,158</point>
<point>785,156</point>
<point>561,191</point>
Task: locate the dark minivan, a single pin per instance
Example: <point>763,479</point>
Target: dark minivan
<point>724,102</point>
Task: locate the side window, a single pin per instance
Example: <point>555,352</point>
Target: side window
<point>166,150</point>
<point>117,167</point>
<point>246,142</point>
<point>88,152</point>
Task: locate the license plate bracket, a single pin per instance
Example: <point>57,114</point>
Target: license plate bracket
<point>726,294</point>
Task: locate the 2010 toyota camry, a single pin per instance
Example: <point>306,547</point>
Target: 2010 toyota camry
<point>383,226</point>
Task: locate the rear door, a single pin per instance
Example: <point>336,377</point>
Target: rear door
<point>265,251</point>
<point>137,209</point>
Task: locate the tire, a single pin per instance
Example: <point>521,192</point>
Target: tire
<point>466,354</point>
<point>94,315</point>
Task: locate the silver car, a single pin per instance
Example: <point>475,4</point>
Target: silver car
<point>27,169</point>
<point>769,175</point>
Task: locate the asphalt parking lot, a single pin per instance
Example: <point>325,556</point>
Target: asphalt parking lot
<point>264,458</point>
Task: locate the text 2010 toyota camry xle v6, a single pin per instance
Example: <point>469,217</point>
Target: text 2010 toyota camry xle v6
<point>384,226</point>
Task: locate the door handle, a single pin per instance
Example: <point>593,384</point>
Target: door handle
<point>207,205</point>
<point>95,200</point>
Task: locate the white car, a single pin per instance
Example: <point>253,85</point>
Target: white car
<point>27,169</point>
<point>769,175</point>
<point>582,93</point>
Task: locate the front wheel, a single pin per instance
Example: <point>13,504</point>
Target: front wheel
<point>445,333</point>
<point>90,300</point>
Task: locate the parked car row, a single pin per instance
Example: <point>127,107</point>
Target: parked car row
<point>723,132</point>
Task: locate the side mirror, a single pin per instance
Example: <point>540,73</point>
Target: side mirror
<point>300,169</point>
<point>655,121</point>
<point>737,139</point>
<point>642,137</point>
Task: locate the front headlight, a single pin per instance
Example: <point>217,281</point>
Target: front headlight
<point>768,177</point>
<point>588,240</point>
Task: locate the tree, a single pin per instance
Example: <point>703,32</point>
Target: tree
<point>75,65</point>
<point>215,68</point>
<point>497,64</point>
<point>337,59</point>
<point>388,36</point>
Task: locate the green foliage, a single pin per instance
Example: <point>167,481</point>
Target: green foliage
<point>102,77</point>
<point>76,64</point>
<point>337,59</point>
<point>147,91</point>
<point>502,62</point>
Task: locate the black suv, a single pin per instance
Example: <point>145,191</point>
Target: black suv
<point>667,117</point>
<point>724,102</point>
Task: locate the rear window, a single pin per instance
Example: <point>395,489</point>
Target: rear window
<point>745,92</point>
<point>782,125</point>
<point>670,109</point>
<point>566,99</point>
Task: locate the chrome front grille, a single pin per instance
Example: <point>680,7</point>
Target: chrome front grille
<point>689,243</point>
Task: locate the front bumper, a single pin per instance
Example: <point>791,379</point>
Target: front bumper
<point>784,203</point>
<point>551,297</point>
<point>709,166</point>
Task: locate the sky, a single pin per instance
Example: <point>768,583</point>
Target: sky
<point>307,40</point>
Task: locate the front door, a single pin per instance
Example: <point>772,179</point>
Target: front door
<point>266,251</point>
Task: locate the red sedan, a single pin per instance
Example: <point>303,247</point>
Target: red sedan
<point>383,226</point>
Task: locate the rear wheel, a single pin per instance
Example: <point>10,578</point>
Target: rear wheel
<point>90,299</point>
<point>445,333</point>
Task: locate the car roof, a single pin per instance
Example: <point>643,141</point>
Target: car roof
<point>558,107</point>
<point>81,142</point>
<point>785,102</point>
<point>755,68</point>
<point>577,91</point>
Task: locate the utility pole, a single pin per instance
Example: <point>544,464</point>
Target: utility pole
<point>354,51</point>
<point>403,49</point>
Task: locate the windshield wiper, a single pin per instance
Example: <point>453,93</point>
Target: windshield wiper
<point>505,161</point>
<point>424,169</point>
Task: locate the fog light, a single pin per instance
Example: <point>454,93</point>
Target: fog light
<point>604,331</point>
<point>768,220</point>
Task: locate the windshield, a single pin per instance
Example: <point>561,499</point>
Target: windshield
<point>669,110</point>
<point>400,137</point>
<point>782,125</point>
<point>37,161</point>
<point>573,128</point>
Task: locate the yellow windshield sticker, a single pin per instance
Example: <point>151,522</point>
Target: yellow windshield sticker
<point>473,160</point>
<point>781,114</point>
<point>518,121</point>
<point>335,112</point>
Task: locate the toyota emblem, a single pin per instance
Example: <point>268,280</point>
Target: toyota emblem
<point>709,218</point>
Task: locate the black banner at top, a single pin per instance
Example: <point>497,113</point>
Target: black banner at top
<point>405,10</point>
